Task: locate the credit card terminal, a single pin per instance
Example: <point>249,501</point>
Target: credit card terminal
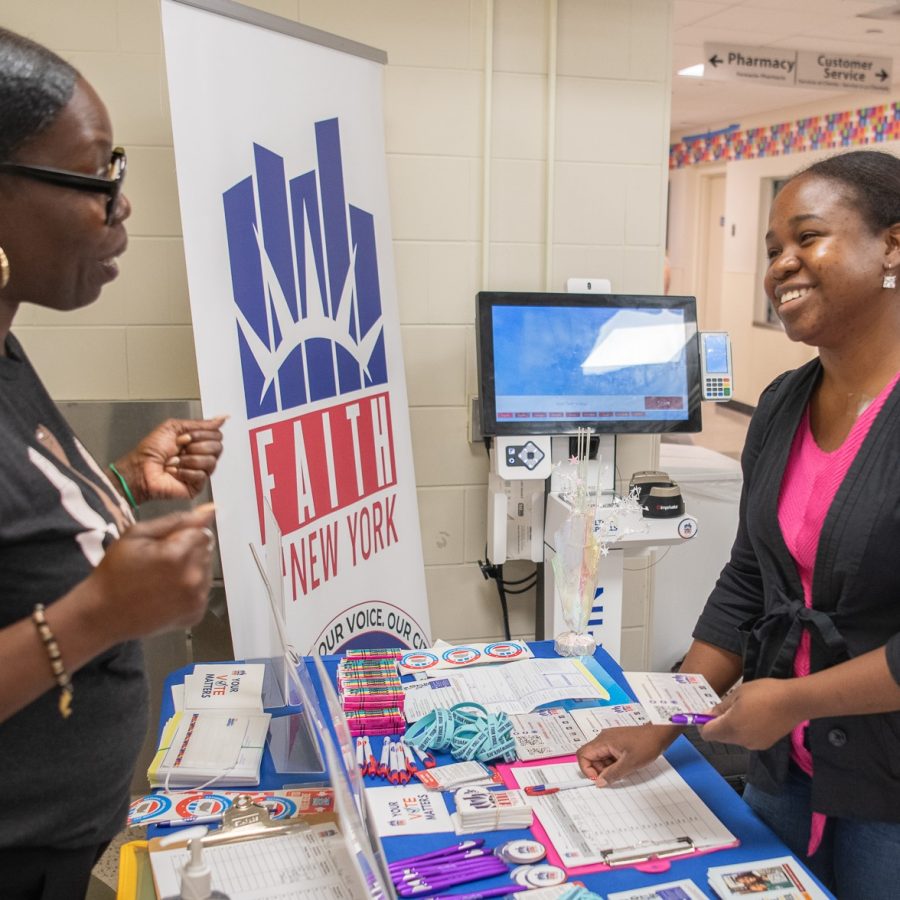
<point>715,366</point>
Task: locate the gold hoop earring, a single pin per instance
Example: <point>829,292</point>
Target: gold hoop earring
<point>4,269</point>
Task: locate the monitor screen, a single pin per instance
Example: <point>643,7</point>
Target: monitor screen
<point>613,363</point>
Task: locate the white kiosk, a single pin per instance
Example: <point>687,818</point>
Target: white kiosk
<point>551,364</point>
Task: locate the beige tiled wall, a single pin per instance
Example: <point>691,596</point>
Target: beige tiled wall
<point>607,218</point>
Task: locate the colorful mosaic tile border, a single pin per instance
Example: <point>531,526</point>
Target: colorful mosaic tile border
<point>854,128</point>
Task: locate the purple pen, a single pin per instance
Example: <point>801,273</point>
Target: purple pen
<point>461,847</point>
<point>443,863</point>
<point>410,890</point>
<point>451,859</point>
<point>472,872</point>
<point>413,879</point>
<point>479,865</point>
<point>691,718</point>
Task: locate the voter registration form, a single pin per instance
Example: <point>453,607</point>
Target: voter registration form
<point>653,809</point>
<point>516,687</point>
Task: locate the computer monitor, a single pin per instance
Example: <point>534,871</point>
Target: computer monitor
<point>612,363</point>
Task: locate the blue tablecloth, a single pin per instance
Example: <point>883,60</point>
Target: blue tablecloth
<point>757,841</point>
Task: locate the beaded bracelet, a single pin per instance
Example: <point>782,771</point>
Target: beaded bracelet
<point>56,664</point>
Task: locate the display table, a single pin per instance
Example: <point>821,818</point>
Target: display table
<point>757,841</point>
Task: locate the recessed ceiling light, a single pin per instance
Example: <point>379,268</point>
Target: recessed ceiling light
<point>692,71</point>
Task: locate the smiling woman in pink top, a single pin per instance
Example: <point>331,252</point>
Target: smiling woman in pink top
<point>808,608</point>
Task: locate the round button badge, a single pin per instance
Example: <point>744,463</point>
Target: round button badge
<point>518,875</point>
<point>545,876</point>
<point>521,851</point>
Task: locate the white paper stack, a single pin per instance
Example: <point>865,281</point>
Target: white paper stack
<point>455,775</point>
<point>200,748</point>
<point>480,809</point>
<point>780,878</point>
<point>225,686</point>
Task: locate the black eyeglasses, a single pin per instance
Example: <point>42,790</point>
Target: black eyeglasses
<point>111,185</point>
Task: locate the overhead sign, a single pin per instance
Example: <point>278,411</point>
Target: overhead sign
<point>279,146</point>
<point>769,65</point>
<point>838,71</point>
<point>797,68</point>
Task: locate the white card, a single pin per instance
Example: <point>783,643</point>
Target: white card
<point>407,809</point>
<point>593,719</point>
<point>663,694</point>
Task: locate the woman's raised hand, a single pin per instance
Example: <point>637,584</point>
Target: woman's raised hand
<point>174,461</point>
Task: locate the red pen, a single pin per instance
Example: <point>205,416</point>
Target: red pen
<point>544,790</point>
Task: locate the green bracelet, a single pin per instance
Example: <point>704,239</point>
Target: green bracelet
<point>128,495</point>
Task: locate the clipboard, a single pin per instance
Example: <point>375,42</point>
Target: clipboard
<point>250,825</point>
<point>646,856</point>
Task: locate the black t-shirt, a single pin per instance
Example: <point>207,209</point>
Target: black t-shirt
<point>63,782</point>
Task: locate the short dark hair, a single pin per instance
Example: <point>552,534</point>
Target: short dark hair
<point>35,84</point>
<point>872,176</point>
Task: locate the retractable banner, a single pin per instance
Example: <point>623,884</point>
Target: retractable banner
<point>279,148</point>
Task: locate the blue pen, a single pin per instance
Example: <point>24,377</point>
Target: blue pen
<point>691,718</point>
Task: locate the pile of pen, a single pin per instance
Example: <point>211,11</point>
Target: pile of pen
<point>460,863</point>
<point>398,761</point>
<point>370,691</point>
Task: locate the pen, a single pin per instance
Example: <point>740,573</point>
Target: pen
<point>442,864</point>
<point>691,718</point>
<point>427,757</point>
<point>461,847</point>
<point>433,873</point>
<point>544,790</point>
<point>465,875</point>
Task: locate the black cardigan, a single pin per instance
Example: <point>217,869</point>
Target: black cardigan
<point>756,608</point>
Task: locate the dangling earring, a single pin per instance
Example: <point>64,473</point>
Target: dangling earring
<point>889,281</point>
<point>4,269</point>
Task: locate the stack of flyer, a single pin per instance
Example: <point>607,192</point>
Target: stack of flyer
<point>781,878</point>
<point>219,733</point>
<point>480,809</point>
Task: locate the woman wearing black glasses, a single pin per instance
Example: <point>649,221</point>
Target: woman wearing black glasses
<point>80,583</point>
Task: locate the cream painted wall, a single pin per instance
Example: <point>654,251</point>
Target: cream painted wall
<point>607,219</point>
<point>760,352</point>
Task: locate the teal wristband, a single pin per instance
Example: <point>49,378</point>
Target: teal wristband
<point>128,495</point>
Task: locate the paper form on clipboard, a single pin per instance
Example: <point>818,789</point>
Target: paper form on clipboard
<point>303,865</point>
<point>648,816</point>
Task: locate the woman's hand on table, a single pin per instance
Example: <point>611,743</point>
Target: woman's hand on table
<point>617,752</point>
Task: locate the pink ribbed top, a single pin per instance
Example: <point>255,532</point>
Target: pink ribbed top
<point>811,479</point>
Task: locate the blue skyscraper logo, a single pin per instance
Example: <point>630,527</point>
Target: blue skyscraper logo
<point>304,274</point>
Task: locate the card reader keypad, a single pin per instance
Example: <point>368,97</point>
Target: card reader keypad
<point>718,386</point>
